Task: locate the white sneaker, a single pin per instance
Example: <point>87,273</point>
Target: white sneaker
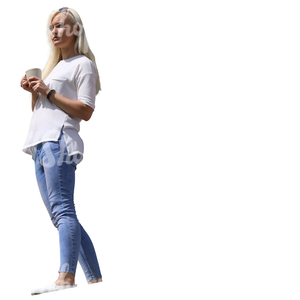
<point>51,288</point>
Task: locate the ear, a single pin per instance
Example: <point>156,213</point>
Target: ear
<point>77,29</point>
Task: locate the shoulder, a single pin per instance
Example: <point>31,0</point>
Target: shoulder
<point>85,66</point>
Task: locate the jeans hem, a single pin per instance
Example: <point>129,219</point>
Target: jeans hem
<point>92,278</point>
<point>67,272</point>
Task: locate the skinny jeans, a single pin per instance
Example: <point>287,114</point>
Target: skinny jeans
<point>55,174</point>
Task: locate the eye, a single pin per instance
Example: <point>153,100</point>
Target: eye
<point>51,28</point>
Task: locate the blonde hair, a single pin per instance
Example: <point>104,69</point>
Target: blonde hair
<point>81,46</point>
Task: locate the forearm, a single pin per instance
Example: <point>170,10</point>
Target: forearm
<point>34,98</point>
<point>73,108</point>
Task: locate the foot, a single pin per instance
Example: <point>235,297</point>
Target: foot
<point>65,278</point>
<point>51,288</point>
<point>60,282</point>
<point>95,280</point>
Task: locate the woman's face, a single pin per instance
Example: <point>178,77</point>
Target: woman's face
<point>62,33</point>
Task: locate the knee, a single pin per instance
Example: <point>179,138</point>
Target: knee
<point>54,222</point>
<point>70,219</point>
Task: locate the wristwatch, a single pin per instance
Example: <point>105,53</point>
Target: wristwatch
<point>49,94</point>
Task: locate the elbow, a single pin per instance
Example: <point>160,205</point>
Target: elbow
<point>87,113</point>
<point>86,118</point>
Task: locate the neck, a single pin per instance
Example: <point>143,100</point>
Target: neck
<point>68,53</point>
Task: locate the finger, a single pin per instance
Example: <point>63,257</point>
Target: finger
<point>32,83</point>
<point>23,82</point>
<point>23,79</point>
<point>35,88</point>
<point>34,78</point>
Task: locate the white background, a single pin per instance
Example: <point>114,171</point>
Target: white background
<point>190,183</point>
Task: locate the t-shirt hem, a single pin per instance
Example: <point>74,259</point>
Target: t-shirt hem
<point>28,149</point>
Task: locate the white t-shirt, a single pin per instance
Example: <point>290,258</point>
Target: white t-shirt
<point>73,78</point>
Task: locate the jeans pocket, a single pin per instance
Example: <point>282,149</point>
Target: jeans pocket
<point>50,154</point>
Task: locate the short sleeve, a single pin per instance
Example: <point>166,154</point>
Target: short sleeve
<point>85,80</point>
<point>86,89</point>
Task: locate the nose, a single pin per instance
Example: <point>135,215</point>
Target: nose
<point>54,30</point>
<point>54,33</point>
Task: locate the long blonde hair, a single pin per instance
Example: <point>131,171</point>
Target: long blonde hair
<point>81,46</point>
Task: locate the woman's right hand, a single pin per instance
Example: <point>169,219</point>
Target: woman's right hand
<point>25,86</point>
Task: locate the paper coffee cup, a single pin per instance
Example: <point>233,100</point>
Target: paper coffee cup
<point>34,72</point>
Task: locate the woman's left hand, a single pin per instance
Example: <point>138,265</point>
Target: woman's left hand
<point>38,85</point>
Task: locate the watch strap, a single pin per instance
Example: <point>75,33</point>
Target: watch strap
<point>49,94</point>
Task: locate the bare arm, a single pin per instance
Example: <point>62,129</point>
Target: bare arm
<point>73,108</point>
<point>34,94</point>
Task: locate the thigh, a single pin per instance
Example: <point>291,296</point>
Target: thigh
<point>60,179</point>
<point>42,184</point>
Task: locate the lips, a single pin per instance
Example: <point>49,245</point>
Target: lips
<point>55,38</point>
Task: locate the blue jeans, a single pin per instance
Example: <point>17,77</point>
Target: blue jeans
<point>55,173</point>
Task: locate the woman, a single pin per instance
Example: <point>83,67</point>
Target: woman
<point>60,100</point>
